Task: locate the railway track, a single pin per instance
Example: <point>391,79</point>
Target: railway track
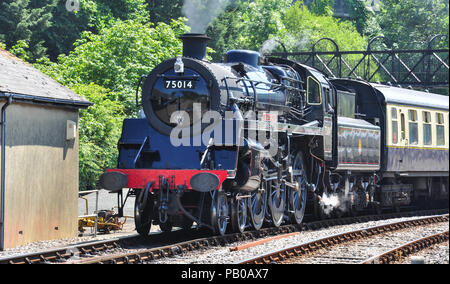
<point>401,252</point>
<point>351,247</point>
<point>177,243</point>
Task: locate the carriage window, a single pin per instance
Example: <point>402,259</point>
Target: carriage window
<point>413,128</point>
<point>427,138</point>
<point>440,129</point>
<point>394,125</point>
<point>313,90</point>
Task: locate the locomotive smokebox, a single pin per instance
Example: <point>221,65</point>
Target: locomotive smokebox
<point>194,45</point>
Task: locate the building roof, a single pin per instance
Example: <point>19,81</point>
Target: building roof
<point>27,83</point>
<point>405,96</point>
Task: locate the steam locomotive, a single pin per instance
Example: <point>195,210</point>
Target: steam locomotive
<point>256,141</point>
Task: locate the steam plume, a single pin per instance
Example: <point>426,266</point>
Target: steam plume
<point>201,13</point>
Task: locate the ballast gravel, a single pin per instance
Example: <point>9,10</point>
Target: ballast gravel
<point>222,255</point>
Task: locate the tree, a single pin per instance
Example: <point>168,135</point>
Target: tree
<point>26,21</point>
<point>246,25</point>
<point>410,24</point>
<point>307,28</point>
<point>100,127</point>
<point>118,55</point>
<point>165,10</point>
<point>360,15</point>
<point>322,7</point>
<point>49,28</point>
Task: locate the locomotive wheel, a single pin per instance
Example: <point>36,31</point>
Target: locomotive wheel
<point>143,208</point>
<point>219,213</point>
<point>239,215</point>
<point>257,207</point>
<point>277,201</point>
<point>297,198</point>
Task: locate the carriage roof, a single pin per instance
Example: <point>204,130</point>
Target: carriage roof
<point>395,95</point>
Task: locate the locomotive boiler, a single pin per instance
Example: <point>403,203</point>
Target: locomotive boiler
<point>246,142</point>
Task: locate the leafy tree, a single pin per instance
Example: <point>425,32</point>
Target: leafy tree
<point>411,24</point>
<point>322,7</point>
<point>237,28</point>
<point>308,28</point>
<point>304,29</point>
<point>68,25</point>
<point>27,21</point>
<point>360,15</point>
<point>165,10</point>
<point>117,56</point>
<point>50,29</point>
<point>100,127</point>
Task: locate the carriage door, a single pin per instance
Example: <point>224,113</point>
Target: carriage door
<point>403,143</point>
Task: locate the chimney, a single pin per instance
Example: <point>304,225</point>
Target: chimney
<point>194,45</point>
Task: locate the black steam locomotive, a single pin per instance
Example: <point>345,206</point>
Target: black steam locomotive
<point>267,140</point>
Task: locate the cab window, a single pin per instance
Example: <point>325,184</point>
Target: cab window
<point>314,94</point>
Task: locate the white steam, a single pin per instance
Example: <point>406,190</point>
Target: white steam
<point>269,46</point>
<point>289,41</point>
<point>201,13</point>
<point>330,202</point>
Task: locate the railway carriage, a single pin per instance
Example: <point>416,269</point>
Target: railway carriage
<point>415,141</point>
<point>256,141</point>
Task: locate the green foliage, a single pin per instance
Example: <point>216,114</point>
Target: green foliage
<point>237,27</point>
<point>165,10</point>
<point>411,24</point>
<point>19,50</point>
<point>118,55</point>
<point>360,15</point>
<point>50,29</point>
<point>308,28</point>
<point>322,7</point>
<point>100,126</point>
<point>26,21</point>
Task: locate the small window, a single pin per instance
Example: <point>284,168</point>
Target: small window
<point>346,104</point>
<point>394,113</point>
<point>413,128</point>
<point>412,115</point>
<point>427,137</point>
<point>440,129</point>
<point>403,125</point>
<point>314,93</point>
<point>394,125</point>
<point>439,118</point>
<point>330,97</point>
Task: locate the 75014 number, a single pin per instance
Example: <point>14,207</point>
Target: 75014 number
<point>179,84</point>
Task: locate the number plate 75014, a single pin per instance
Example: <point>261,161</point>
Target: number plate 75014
<point>179,84</point>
